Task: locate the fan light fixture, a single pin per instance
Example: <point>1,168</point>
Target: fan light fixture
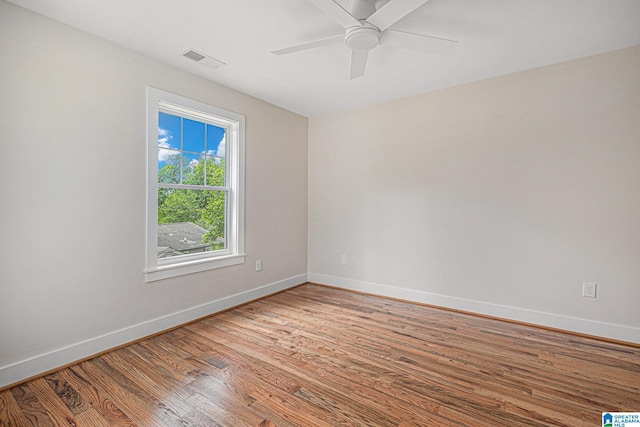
<point>362,38</point>
<point>366,27</point>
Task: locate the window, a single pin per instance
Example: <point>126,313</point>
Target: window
<point>195,162</point>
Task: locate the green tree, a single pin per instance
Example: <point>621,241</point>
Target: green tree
<point>205,208</point>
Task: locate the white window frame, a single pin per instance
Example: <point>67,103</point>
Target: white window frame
<point>158,269</point>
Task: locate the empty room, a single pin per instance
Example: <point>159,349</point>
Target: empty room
<point>320,213</point>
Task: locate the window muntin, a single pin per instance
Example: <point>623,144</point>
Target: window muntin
<point>195,186</point>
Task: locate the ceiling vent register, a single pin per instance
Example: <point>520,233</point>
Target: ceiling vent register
<point>203,59</point>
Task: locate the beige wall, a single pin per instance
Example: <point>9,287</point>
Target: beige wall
<point>72,216</point>
<point>500,197</point>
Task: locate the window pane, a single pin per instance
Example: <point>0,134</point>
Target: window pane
<point>216,143</point>
<point>190,221</point>
<point>215,170</point>
<point>192,169</point>
<point>169,131</point>
<point>169,166</point>
<point>193,136</point>
<point>215,219</point>
<point>169,126</point>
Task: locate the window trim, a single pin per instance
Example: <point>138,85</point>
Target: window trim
<point>158,100</point>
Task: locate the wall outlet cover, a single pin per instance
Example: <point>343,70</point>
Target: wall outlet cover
<point>589,289</point>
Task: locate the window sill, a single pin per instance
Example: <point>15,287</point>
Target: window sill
<point>189,267</point>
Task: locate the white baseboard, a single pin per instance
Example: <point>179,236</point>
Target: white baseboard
<point>567,323</point>
<point>37,365</point>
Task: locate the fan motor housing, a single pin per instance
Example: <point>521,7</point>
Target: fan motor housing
<point>362,9</point>
<point>362,38</point>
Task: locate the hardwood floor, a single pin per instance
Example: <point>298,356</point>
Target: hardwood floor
<point>316,356</point>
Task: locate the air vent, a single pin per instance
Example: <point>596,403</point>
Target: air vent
<point>201,58</point>
<point>192,54</point>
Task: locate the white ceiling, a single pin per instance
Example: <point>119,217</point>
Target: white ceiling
<point>495,37</point>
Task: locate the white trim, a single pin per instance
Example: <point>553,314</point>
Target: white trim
<point>192,266</point>
<point>567,323</point>
<point>36,365</point>
<point>234,125</point>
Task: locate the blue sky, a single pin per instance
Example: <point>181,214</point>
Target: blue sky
<point>198,139</point>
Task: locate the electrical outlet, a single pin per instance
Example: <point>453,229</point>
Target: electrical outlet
<point>259,265</point>
<point>589,289</point>
<point>343,259</point>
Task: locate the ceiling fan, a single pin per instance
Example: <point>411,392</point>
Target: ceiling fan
<point>366,25</point>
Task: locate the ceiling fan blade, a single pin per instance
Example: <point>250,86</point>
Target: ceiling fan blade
<point>358,63</point>
<point>311,45</point>
<point>417,42</point>
<point>393,11</point>
<point>337,12</point>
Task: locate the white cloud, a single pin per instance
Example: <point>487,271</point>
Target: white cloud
<point>163,142</point>
<point>220,151</point>
<point>163,138</point>
<point>221,147</point>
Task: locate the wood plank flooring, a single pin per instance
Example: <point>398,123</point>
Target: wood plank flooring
<point>316,356</point>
